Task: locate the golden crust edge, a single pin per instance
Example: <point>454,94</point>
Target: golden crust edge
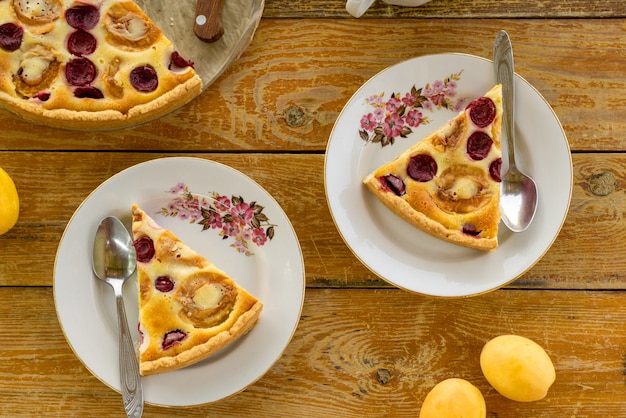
<point>200,352</point>
<point>405,211</point>
<point>105,119</point>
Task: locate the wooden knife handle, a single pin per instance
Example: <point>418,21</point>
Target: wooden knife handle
<point>208,24</point>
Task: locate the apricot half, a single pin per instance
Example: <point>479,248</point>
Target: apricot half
<point>517,367</point>
<point>454,398</point>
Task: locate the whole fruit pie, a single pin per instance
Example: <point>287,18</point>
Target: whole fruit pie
<point>89,64</point>
<point>448,184</point>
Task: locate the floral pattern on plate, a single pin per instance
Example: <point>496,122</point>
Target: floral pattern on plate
<point>233,217</point>
<point>398,115</point>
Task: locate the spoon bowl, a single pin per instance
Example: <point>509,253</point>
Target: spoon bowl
<point>113,262</point>
<point>518,192</point>
<point>518,200</point>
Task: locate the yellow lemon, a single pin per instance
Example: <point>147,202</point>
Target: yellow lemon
<point>454,398</point>
<point>9,202</point>
<point>517,367</point>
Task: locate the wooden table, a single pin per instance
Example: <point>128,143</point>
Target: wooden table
<point>362,347</point>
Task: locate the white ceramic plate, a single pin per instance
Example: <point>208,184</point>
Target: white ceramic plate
<point>274,273</point>
<point>403,255</point>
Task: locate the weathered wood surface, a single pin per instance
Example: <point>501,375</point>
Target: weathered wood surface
<point>286,91</point>
<point>362,348</point>
<point>53,184</point>
<point>356,353</point>
<point>451,9</point>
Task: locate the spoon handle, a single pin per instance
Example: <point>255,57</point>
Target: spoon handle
<point>132,392</point>
<point>504,69</point>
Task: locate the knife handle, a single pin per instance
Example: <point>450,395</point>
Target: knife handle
<point>208,23</point>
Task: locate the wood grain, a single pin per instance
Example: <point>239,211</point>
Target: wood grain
<point>362,347</point>
<point>451,9</point>
<point>343,360</point>
<point>53,184</point>
<point>285,92</point>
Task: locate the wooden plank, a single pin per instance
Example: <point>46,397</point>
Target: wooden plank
<point>53,184</point>
<point>287,89</point>
<point>450,9</point>
<point>344,362</point>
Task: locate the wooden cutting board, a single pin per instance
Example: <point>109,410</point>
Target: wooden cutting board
<point>176,18</point>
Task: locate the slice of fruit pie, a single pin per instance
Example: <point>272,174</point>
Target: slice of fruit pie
<point>448,184</point>
<point>188,308</point>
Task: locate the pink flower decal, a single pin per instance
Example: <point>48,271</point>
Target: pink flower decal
<point>393,124</point>
<point>258,236</point>
<point>233,217</point>
<point>395,117</point>
<point>368,122</point>
<point>414,118</point>
<point>242,213</point>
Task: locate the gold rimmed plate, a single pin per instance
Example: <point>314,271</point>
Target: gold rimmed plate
<point>261,252</point>
<point>371,130</point>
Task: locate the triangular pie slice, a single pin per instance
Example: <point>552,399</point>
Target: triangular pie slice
<point>448,184</point>
<point>188,308</point>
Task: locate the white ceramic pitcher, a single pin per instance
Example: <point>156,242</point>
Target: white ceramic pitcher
<point>357,7</point>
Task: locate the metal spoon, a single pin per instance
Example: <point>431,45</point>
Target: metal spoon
<point>114,261</point>
<point>518,192</point>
